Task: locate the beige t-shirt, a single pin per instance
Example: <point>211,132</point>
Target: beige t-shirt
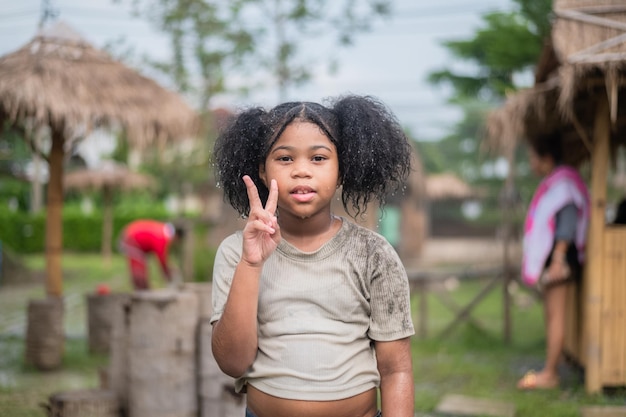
<point>319,313</point>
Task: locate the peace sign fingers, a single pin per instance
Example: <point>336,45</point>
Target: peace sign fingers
<point>255,200</point>
<point>253,194</point>
<point>272,199</point>
<point>262,232</point>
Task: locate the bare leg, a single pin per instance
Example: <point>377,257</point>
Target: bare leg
<point>555,297</point>
<point>554,303</point>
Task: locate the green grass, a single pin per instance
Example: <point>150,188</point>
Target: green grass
<point>476,362</point>
<point>469,361</point>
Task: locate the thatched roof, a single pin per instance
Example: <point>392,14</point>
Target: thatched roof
<point>108,174</point>
<point>60,80</point>
<point>583,62</point>
<point>448,186</point>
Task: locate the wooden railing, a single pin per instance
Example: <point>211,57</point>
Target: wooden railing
<point>426,282</point>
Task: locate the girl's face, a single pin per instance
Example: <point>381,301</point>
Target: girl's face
<point>305,164</point>
<point>540,165</point>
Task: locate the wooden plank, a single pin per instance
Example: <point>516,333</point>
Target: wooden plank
<point>606,44</point>
<point>607,337</point>
<point>598,58</point>
<point>464,313</point>
<point>613,339</point>
<point>618,278</point>
<point>594,268</point>
<point>603,411</point>
<point>591,19</point>
<point>612,8</point>
<point>621,301</point>
<point>470,406</point>
<point>445,299</point>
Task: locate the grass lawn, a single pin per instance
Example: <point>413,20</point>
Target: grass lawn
<point>469,361</point>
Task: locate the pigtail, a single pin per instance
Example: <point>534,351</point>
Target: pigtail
<point>375,154</point>
<point>238,151</point>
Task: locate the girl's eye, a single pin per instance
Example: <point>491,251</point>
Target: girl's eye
<point>284,158</point>
<point>319,158</point>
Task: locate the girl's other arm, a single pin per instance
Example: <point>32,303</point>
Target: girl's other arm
<point>396,377</point>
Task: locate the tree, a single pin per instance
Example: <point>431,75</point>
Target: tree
<point>295,21</point>
<point>214,41</point>
<point>207,38</point>
<point>508,44</point>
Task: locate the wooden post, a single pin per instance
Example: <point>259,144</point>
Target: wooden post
<point>594,271</point>
<point>162,354</point>
<point>84,402</point>
<point>107,223</point>
<point>507,203</point>
<point>45,341</point>
<point>54,217</point>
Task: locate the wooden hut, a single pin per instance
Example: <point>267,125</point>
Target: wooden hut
<point>107,178</point>
<point>445,193</point>
<point>580,91</point>
<point>60,81</point>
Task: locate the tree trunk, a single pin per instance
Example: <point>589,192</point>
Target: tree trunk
<point>107,223</point>
<point>54,219</point>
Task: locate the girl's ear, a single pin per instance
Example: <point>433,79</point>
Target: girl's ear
<point>262,174</point>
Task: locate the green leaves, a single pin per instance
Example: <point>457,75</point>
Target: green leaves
<point>507,44</point>
<point>211,39</point>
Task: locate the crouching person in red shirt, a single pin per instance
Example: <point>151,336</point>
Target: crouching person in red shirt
<point>142,237</point>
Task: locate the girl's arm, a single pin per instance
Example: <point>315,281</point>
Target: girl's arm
<point>558,265</point>
<point>395,366</point>
<point>234,341</point>
<point>565,232</point>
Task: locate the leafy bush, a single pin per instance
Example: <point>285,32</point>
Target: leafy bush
<point>203,260</point>
<point>25,232</point>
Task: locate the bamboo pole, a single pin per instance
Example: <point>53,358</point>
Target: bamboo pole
<point>594,272</point>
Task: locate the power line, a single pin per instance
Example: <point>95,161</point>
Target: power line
<point>98,12</point>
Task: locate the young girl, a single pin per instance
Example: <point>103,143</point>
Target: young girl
<point>554,247</point>
<point>311,311</point>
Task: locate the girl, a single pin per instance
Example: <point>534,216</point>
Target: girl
<point>554,247</point>
<point>311,311</point>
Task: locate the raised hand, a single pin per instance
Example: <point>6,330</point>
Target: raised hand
<point>261,233</point>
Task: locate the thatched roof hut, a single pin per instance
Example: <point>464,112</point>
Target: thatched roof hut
<point>579,91</point>
<point>61,81</point>
<point>58,79</point>
<point>448,186</point>
<point>584,58</point>
<point>107,178</point>
<point>109,174</point>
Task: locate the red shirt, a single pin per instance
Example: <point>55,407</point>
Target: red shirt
<point>151,236</point>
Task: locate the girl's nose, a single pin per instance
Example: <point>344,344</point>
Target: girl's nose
<point>300,170</point>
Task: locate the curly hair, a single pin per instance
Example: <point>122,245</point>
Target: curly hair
<point>374,153</point>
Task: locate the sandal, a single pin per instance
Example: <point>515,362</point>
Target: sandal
<point>532,381</point>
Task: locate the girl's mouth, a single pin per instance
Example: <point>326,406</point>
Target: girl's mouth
<point>302,194</point>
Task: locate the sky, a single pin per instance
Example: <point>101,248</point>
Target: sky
<point>391,62</point>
